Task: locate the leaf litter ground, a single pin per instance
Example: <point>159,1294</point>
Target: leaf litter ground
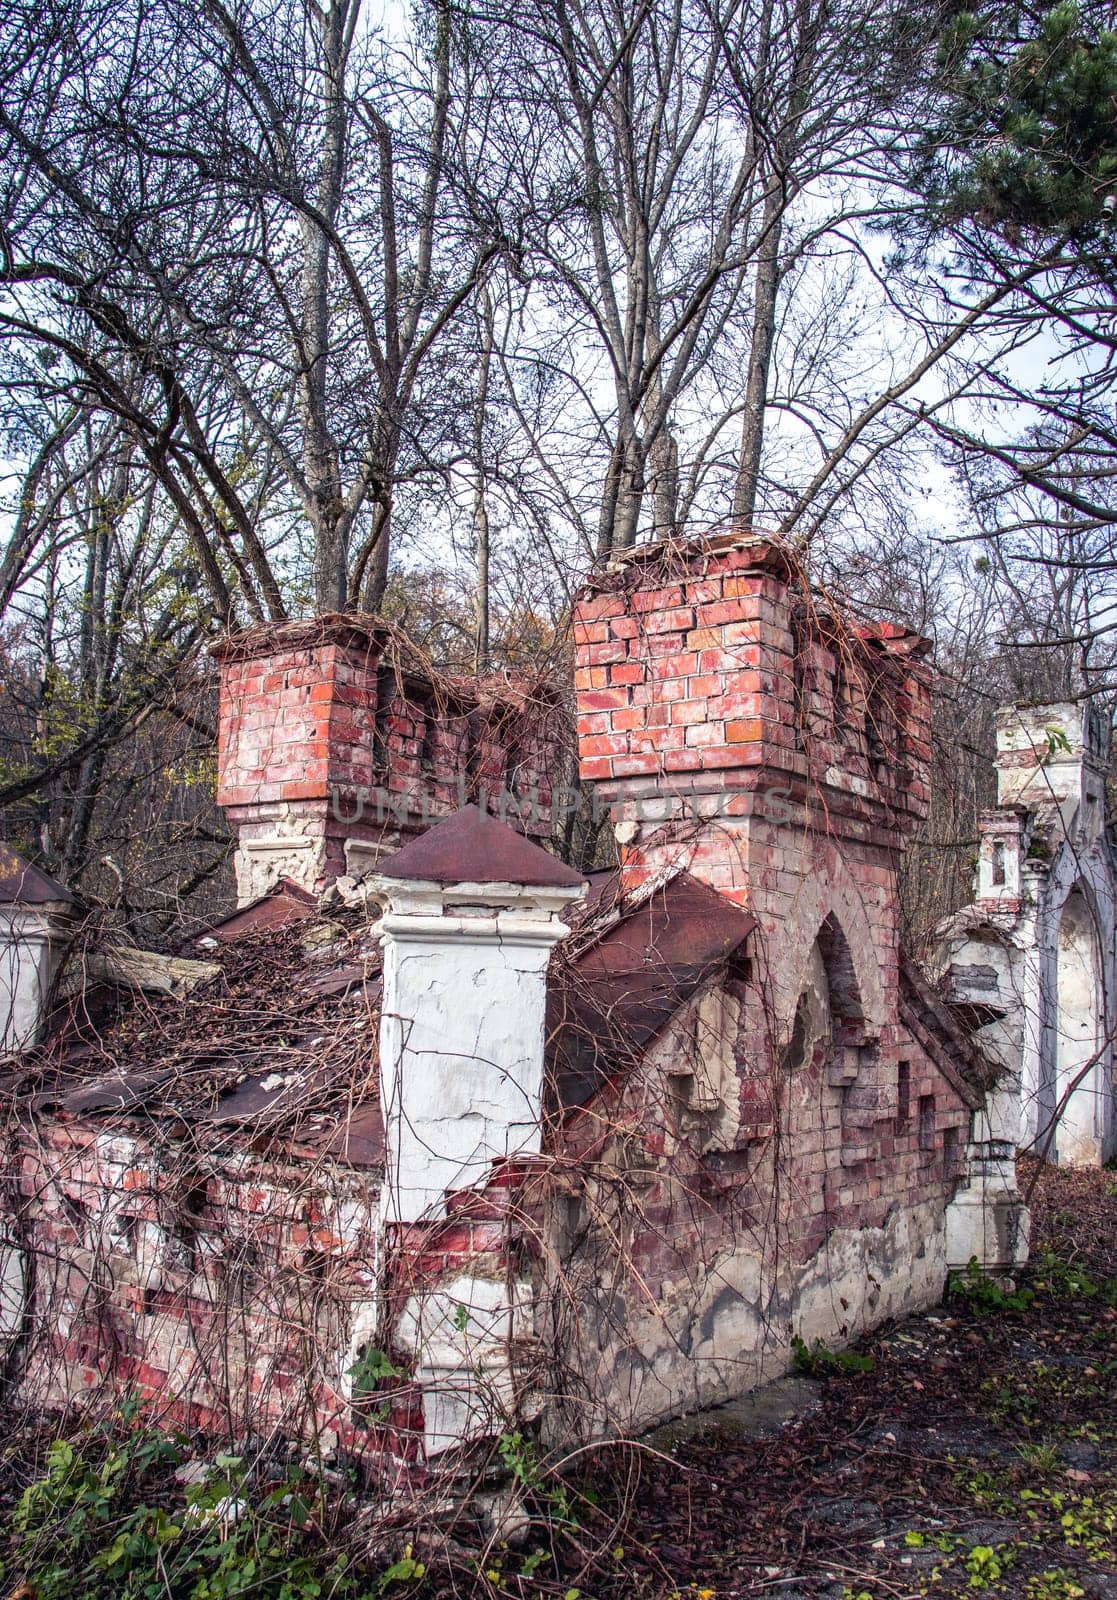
<point>977,1456</point>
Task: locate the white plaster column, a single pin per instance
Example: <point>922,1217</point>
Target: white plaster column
<point>462,1019</point>
<point>35,917</point>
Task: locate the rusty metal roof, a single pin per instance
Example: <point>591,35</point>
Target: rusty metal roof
<point>282,1045</point>
<point>611,997</point>
<point>279,1048</point>
<point>23,884</point>
<point>473,847</point>
<point>284,903</point>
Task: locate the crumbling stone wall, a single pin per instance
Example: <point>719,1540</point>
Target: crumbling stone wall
<point>1033,955</point>
<point>707,1216</point>
<point>781,1161</point>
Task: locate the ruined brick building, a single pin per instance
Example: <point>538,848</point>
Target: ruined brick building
<point>435,1137</point>
<point>1033,957</point>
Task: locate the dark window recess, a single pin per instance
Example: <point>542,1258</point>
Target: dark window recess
<point>427,718</point>
<point>843,699</point>
<point>577,1217</point>
<point>77,1214</point>
<point>841,684</point>
<point>999,862</point>
<point>903,1094</point>
<point>738,970</point>
<point>926,1122</point>
<point>951,1152</point>
<point>682,1092</point>
<point>382,729</point>
<point>876,725</point>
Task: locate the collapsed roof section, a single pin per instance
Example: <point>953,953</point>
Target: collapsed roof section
<point>277,1048</point>
<point>280,1049</point>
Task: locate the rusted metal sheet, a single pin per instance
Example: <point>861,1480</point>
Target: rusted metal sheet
<point>338,982</point>
<point>358,1139</point>
<point>931,1021</point>
<point>266,1095</point>
<point>123,1092</point>
<point>285,903</point>
<point>473,847</point>
<point>613,996</point>
<point>23,884</point>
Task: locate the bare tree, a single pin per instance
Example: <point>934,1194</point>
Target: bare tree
<point>256,210</point>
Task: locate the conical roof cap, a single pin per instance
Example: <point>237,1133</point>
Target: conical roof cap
<point>473,847</point>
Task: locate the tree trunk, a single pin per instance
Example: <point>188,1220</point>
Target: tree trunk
<point>321,467</point>
<point>375,578</point>
<point>481,650</point>
<point>765,296</point>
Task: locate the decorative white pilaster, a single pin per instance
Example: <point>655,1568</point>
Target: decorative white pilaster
<point>987,1221</point>
<point>462,1025</point>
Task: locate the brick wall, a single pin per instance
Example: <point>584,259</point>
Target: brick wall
<point>689,1246</point>
<point>332,733</point>
<point>230,1290</point>
<point>780,753</point>
<point>235,1294</point>
<point>713,671</point>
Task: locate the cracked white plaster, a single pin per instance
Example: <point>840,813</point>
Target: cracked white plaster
<point>461,1032</point>
<point>1036,948</point>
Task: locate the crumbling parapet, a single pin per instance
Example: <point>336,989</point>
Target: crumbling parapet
<point>337,742</point>
<point>714,688</point>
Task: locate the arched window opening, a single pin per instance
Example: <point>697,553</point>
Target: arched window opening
<point>812,1025</point>
<point>828,1049</point>
<point>998,863</point>
<point>845,994</point>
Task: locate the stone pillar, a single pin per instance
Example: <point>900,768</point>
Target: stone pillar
<point>473,912</point>
<point>35,918</point>
<point>1037,944</point>
<point>1053,755</point>
<point>1005,835</point>
<point>987,1221</point>
<point>295,747</point>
